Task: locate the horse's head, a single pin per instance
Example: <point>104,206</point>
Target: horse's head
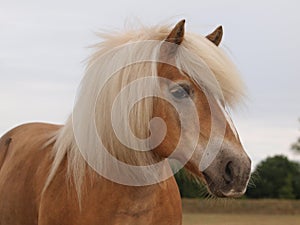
<point>136,78</point>
<point>218,156</point>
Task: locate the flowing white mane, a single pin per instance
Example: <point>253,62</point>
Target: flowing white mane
<point>114,55</point>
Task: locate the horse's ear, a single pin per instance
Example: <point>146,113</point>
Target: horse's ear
<point>175,37</point>
<point>177,33</point>
<point>216,36</point>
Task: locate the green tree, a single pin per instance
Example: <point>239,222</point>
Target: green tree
<point>296,145</point>
<point>276,177</point>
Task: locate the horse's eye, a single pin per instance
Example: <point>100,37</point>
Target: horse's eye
<point>181,91</point>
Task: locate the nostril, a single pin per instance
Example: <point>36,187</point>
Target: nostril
<point>228,172</point>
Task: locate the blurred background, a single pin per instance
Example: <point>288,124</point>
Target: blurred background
<point>44,44</point>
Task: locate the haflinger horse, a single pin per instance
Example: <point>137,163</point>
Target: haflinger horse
<point>149,97</point>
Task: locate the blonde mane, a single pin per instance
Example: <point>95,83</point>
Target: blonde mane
<point>112,55</point>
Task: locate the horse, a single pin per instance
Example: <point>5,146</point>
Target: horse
<point>152,100</point>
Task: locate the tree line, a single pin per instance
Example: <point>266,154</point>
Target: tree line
<point>274,177</point>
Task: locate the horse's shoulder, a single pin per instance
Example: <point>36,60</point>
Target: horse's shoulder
<point>33,127</point>
<point>29,130</point>
<point>27,136</point>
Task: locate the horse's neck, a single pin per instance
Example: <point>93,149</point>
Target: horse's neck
<point>138,205</point>
<point>105,202</point>
<point>135,193</point>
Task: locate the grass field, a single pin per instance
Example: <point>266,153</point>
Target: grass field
<point>240,212</point>
<point>240,219</point>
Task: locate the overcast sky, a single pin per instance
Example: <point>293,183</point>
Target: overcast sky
<point>43,45</point>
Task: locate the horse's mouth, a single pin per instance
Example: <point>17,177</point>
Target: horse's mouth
<point>223,190</point>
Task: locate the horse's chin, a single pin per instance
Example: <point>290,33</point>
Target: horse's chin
<point>230,194</point>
